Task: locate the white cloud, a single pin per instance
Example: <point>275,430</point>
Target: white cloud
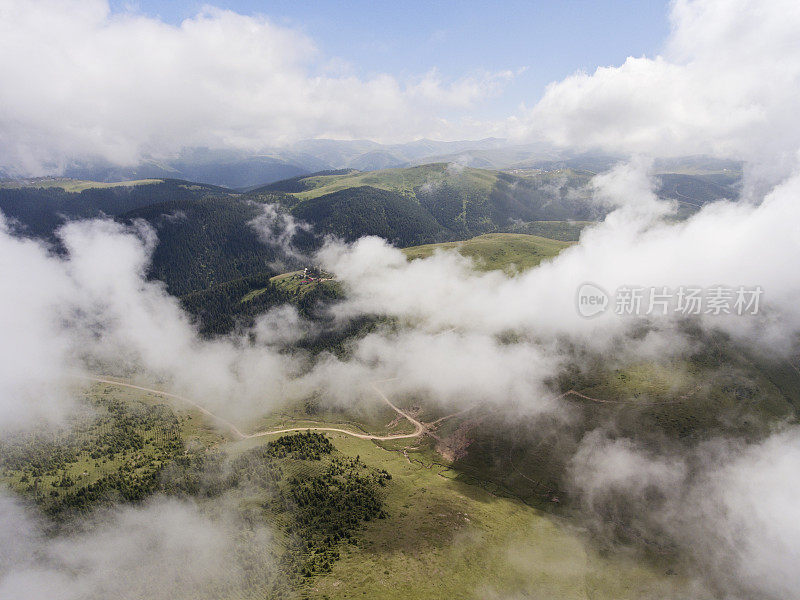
<point>277,228</point>
<point>727,84</point>
<point>35,357</point>
<point>732,508</point>
<point>164,549</point>
<point>95,305</point>
<point>754,498</point>
<point>81,82</point>
<point>724,244</point>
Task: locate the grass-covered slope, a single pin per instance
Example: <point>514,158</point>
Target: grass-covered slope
<point>467,201</point>
<point>497,251</point>
<point>406,181</point>
<point>73,185</point>
<point>347,518</point>
<point>565,231</point>
<point>301,183</point>
<point>441,201</point>
<point>444,538</point>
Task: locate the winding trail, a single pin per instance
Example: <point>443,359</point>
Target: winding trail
<point>695,204</point>
<point>629,402</point>
<point>579,395</point>
<point>228,425</point>
<point>419,428</point>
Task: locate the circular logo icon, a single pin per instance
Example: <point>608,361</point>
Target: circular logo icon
<point>592,300</point>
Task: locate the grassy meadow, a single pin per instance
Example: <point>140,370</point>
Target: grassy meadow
<point>76,185</point>
<point>404,181</point>
<point>442,536</point>
<point>510,252</point>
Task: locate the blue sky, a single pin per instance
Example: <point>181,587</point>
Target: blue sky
<point>551,39</point>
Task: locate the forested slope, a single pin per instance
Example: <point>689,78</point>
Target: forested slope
<point>40,210</point>
<point>204,242</point>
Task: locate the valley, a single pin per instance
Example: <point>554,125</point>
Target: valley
<point>399,301</point>
<point>389,491</point>
<point>469,534</point>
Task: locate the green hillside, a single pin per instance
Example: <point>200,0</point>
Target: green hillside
<point>444,538</point>
<point>205,236</point>
<point>42,205</point>
<point>566,231</point>
<point>435,202</point>
<point>349,518</point>
<point>360,211</point>
<point>205,241</point>
<point>406,181</point>
<point>73,185</point>
<point>468,201</point>
<point>497,251</point>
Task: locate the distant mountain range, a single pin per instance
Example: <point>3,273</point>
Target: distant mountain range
<point>241,170</point>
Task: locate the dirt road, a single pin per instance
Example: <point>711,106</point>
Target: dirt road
<point>227,424</point>
<point>419,428</point>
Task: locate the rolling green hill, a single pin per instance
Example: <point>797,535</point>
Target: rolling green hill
<point>205,236</point>
<point>349,518</point>
<point>468,201</point>
<point>497,251</point>
<point>364,210</point>
<point>300,183</point>
<point>73,185</point>
<point>406,181</point>
<point>565,231</point>
<point>434,202</point>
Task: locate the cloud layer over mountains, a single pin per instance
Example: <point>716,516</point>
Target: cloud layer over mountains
<point>165,549</point>
<point>80,82</point>
<point>727,84</point>
<point>463,339</point>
